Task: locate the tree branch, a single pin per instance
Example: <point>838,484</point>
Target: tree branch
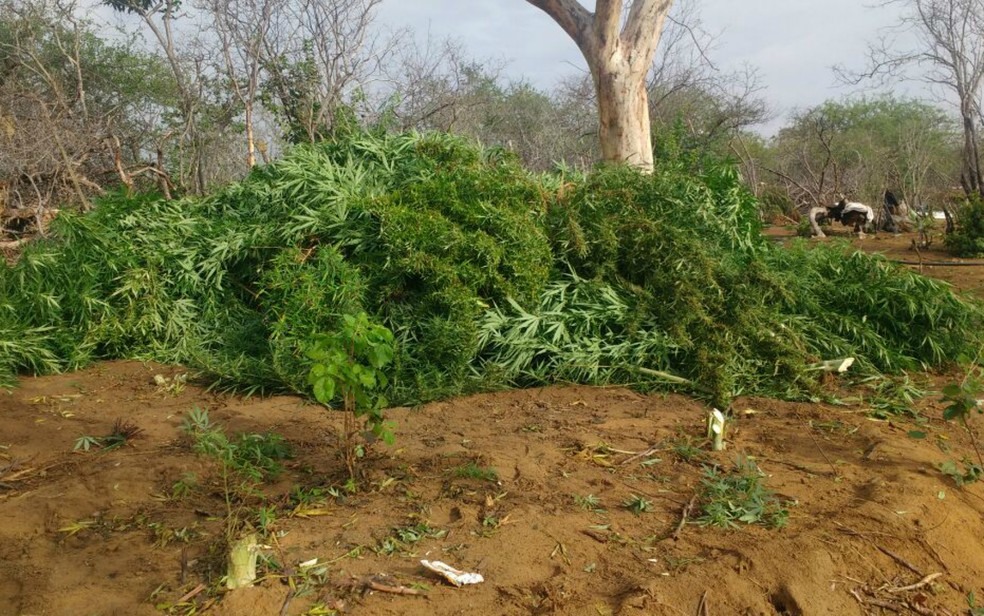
<point>643,28</point>
<point>569,15</point>
<point>607,17</point>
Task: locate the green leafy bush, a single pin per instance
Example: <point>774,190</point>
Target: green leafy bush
<point>967,238</point>
<point>423,232</point>
<point>350,364</point>
<point>487,275</point>
<point>727,498</point>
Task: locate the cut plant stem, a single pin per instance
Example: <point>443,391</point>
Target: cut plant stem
<point>242,562</point>
<point>715,429</point>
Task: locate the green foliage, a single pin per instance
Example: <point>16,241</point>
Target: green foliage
<point>404,538</point>
<point>874,144</point>
<point>588,503</point>
<point>350,364</point>
<point>895,397</point>
<point>485,274</point>
<point>975,610</point>
<point>122,433</point>
<point>967,238</point>
<point>583,331</point>
<point>472,470</point>
<point>840,302</point>
<point>252,457</point>
<point>961,401</point>
<point>967,472</point>
<point>638,504</point>
<point>421,232</point>
<point>739,496</point>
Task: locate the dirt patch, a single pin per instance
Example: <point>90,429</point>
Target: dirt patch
<point>541,491</point>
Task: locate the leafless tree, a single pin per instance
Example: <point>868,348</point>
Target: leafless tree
<point>50,137</point>
<point>160,16</point>
<point>245,31</point>
<point>948,53</point>
<point>435,85</point>
<point>327,62</point>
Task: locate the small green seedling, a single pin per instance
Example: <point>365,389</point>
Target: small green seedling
<point>638,504</point>
<point>123,432</point>
<point>727,498</point>
<point>975,610</point>
<point>589,502</point>
<point>963,400</point>
<point>350,364</point>
<point>473,471</point>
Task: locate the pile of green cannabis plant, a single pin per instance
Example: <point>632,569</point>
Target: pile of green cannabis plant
<point>488,276</point>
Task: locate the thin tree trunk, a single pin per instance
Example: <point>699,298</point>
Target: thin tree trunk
<point>972,157</point>
<point>250,137</point>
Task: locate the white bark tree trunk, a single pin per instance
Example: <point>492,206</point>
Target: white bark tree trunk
<point>623,116</point>
<point>619,57</point>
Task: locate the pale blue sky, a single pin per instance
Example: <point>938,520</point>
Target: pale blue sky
<point>793,43</point>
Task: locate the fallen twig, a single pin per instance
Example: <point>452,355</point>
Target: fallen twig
<point>854,593</point>
<point>395,590</point>
<point>800,467</point>
<point>886,605</point>
<point>702,609</point>
<point>194,592</point>
<point>286,606</point>
<point>923,582</point>
<point>642,454</point>
<point>683,518</point>
<point>902,561</point>
<point>823,453</point>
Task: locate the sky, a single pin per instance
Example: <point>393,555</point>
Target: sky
<point>792,43</point>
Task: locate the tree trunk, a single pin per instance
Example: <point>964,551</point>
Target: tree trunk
<point>972,158</point>
<point>620,53</point>
<point>623,113</point>
<point>250,137</point>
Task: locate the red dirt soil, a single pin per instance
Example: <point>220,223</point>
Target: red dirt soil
<point>874,527</point>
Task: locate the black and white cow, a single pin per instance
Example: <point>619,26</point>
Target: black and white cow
<point>852,214</point>
<point>848,213</point>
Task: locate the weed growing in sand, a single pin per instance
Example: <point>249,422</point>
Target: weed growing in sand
<point>638,505</point>
<point>350,364</point>
<point>685,449</point>
<point>403,538</point>
<point>245,461</point>
<point>590,503</point>
<point>123,432</point>
<point>86,442</point>
<point>975,610</point>
<point>184,487</point>
<point>739,496</point>
<point>962,400</point>
<point>254,457</point>
<point>473,471</point>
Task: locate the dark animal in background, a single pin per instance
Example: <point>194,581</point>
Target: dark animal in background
<point>891,202</point>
